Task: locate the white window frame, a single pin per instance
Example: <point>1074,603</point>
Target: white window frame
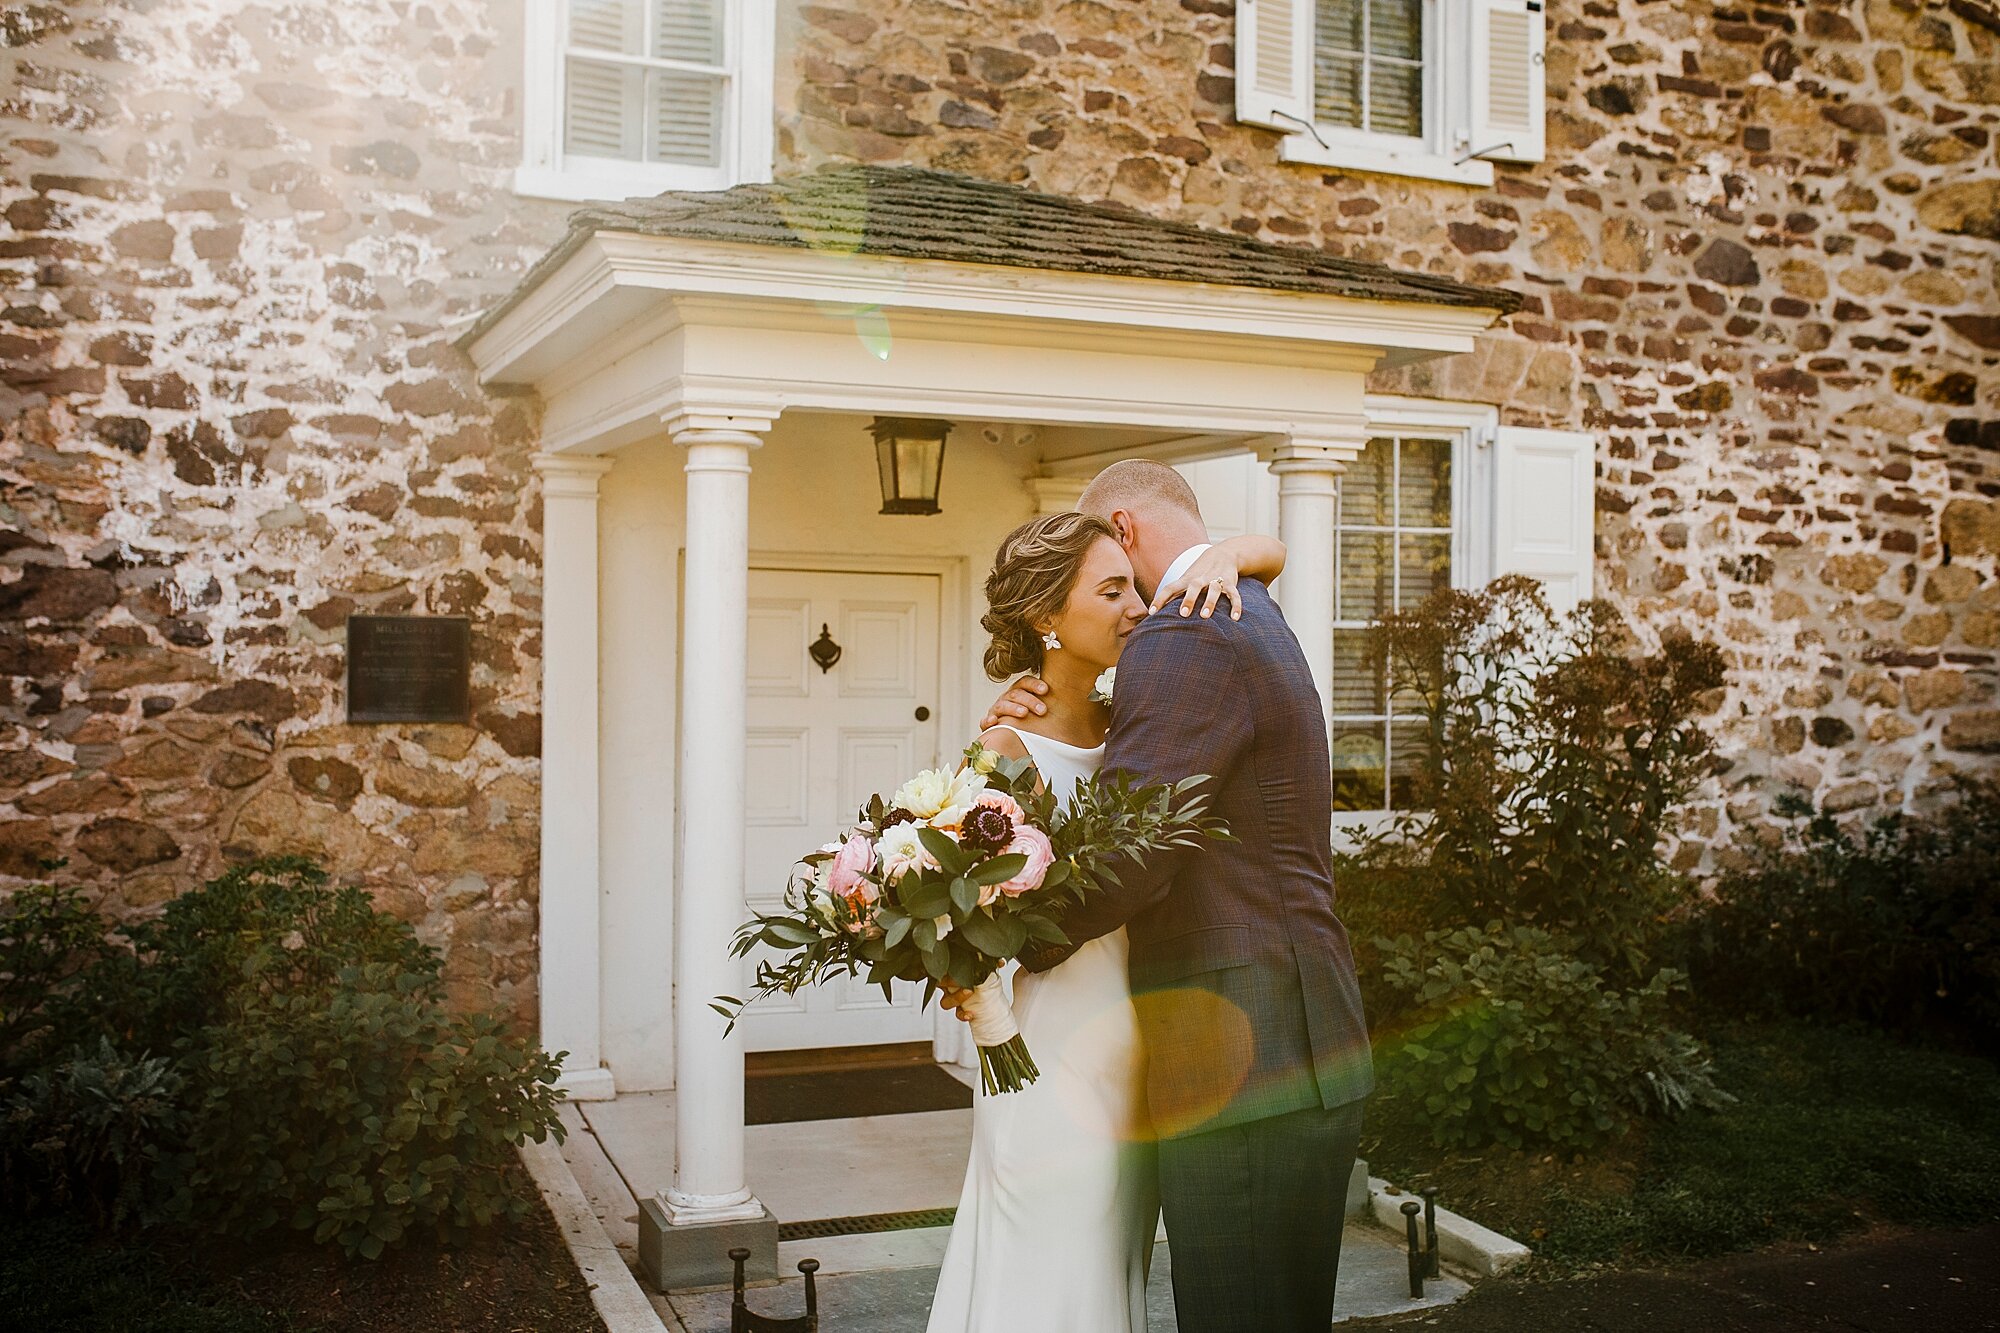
<point>1447,113</point>
<point>546,172</point>
<point>1471,428</point>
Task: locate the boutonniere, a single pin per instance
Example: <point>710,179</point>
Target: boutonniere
<point>1100,693</point>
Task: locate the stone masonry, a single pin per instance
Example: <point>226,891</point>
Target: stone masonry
<point>1760,263</point>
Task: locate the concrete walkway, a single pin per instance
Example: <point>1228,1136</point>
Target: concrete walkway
<point>621,1151</point>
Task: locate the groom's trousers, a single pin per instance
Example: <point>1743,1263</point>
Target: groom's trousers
<point>1254,1214</point>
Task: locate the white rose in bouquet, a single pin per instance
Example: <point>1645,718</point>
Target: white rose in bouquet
<point>938,796</point>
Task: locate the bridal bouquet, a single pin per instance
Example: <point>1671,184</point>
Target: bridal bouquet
<point>953,875</point>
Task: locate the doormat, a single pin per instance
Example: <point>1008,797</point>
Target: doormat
<point>843,1094</point>
<point>868,1225</point>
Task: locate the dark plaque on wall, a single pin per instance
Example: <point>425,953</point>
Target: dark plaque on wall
<point>409,669</point>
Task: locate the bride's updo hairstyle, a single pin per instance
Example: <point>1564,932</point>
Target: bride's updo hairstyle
<point>1033,574</point>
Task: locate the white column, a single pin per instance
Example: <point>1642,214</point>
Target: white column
<point>1054,495</point>
<point>709,1181</point>
<point>1308,470</point>
<point>571,1004</point>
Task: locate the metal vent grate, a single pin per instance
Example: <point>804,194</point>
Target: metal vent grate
<point>866,1225</point>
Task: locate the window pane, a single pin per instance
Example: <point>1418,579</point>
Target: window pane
<point>687,118</point>
<point>1337,89</point>
<point>1364,575</point>
<point>1426,567</point>
<point>600,109</point>
<point>688,30</point>
<point>1424,486</point>
<point>1396,28</point>
<point>1408,742</point>
<point>1396,98</point>
<point>606,25</point>
<point>1364,487</point>
<point>1358,754</point>
<point>1338,25</point>
<point>1354,688</point>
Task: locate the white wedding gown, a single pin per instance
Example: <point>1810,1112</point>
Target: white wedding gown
<point>1055,1225</point>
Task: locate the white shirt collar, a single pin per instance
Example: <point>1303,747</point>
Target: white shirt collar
<point>1181,563</point>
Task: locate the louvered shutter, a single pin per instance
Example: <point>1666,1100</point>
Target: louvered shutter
<point>1545,501</point>
<point>685,107</point>
<point>1274,48</point>
<point>1507,52</point>
<point>603,103</point>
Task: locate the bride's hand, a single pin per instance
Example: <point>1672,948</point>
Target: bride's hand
<point>1211,578</point>
<point>1214,574</point>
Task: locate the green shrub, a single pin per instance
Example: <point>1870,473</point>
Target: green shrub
<point>50,938</point>
<point>381,1115</point>
<point>1556,756</point>
<point>267,927</point>
<point>88,1134</point>
<point>320,1084</point>
<point>1895,923</point>
<point>1512,1039</point>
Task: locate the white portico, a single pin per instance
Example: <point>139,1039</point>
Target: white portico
<point>709,366</point>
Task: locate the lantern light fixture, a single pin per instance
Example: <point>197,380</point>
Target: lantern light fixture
<point>909,454</point>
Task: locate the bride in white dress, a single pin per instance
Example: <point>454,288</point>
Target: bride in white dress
<point>1056,1222</point>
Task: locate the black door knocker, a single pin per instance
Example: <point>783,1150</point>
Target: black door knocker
<point>824,650</point>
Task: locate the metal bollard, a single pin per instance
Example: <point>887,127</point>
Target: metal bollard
<point>1410,1211</point>
<point>1430,1193</point>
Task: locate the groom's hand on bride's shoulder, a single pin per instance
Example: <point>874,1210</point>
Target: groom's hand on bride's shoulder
<point>1022,699</point>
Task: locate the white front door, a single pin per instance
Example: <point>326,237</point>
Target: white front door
<point>825,732</point>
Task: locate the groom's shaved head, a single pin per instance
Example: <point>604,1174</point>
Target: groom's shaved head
<point>1142,487</point>
<point>1152,509</point>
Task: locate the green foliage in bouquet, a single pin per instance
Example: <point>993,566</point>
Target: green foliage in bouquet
<point>1511,1039</point>
<point>965,903</point>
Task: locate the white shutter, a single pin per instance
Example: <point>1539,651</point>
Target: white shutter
<point>1545,508</point>
<point>603,102</point>
<point>1508,42</point>
<point>1274,48</point>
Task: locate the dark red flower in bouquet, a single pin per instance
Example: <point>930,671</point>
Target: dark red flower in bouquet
<point>985,829</point>
<point>895,817</point>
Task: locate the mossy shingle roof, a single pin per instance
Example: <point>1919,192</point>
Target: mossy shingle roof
<point>914,213</point>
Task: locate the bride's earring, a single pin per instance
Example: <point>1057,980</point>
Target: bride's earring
<point>1050,640</point>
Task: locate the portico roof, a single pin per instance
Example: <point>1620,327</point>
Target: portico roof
<point>899,291</point>
<point>914,213</point>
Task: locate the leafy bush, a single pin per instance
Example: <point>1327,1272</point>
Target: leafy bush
<point>1512,1039</point>
<point>1895,923</point>
<point>49,939</point>
<point>88,1134</point>
<point>1557,754</point>
<point>320,1082</point>
<point>265,928</point>
<point>381,1115</point>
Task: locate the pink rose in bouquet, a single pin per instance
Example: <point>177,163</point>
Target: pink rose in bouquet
<point>847,877</point>
<point>1034,844</point>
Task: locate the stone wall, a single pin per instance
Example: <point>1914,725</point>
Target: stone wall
<point>1760,263</point>
<point>238,238</point>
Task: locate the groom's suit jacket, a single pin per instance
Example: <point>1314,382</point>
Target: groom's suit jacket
<point>1240,970</point>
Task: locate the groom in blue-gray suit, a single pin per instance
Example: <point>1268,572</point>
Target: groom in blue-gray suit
<point>1257,1053</point>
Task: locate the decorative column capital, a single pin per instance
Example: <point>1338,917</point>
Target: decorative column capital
<point>749,419</point>
<point>1324,446</point>
<point>571,476</point>
<point>1055,495</point>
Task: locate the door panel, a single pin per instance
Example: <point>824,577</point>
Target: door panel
<point>820,742</point>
